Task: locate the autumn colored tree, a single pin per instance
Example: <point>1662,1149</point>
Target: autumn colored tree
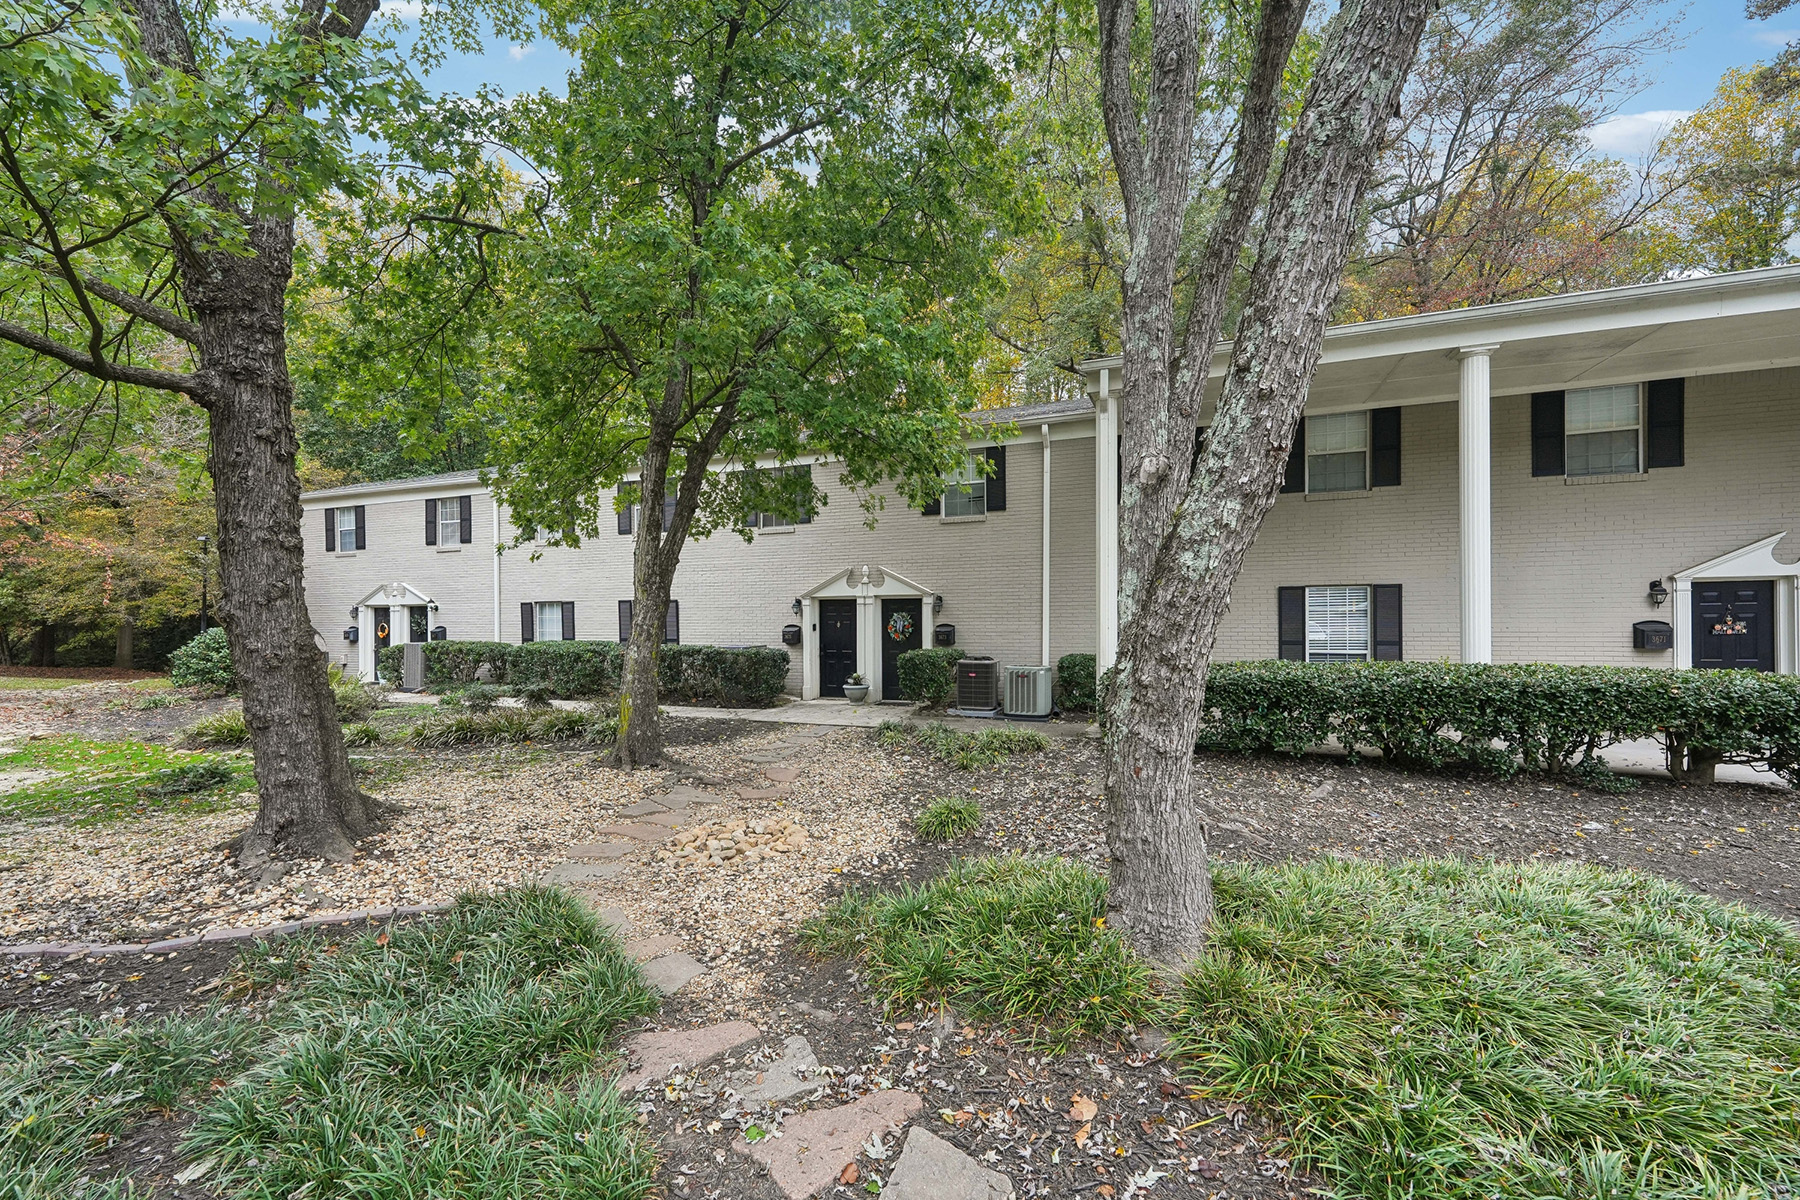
<point>1734,171</point>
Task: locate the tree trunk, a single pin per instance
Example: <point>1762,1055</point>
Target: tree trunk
<point>122,645</point>
<point>43,646</point>
<point>1160,889</point>
<point>311,805</point>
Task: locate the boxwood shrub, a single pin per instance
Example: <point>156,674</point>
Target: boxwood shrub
<point>204,663</point>
<point>1076,684</point>
<point>929,674</point>
<point>571,670</point>
<point>745,677</point>
<point>1500,718</point>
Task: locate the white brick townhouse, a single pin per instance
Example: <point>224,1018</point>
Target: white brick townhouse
<point>1604,477</point>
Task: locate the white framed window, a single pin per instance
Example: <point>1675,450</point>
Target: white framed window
<point>1602,430</point>
<point>1337,624</point>
<point>965,491</point>
<point>1337,452</point>
<point>449,513</point>
<point>549,621</point>
<point>346,529</point>
<point>770,523</point>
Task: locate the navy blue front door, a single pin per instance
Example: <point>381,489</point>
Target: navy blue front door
<point>1734,624</point>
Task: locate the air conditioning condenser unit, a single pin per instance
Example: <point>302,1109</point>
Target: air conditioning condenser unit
<point>978,686</point>
<point>1027,691</point>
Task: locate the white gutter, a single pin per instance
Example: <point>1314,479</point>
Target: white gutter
<point>497,557</point>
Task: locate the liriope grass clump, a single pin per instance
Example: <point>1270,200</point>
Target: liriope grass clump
<point>454,1057</point>
<point>948,818</point>
<point>222,729</point>
<point>1017,940</point>
<point>512,725</point>
<point>1467,1030</point>
<point>961,749</point>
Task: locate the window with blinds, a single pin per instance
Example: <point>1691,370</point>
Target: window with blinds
<point>1600,430</point>
<point>1337,624</point>
<point>1337,452</point>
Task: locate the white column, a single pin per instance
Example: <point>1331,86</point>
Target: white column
<point>1106,523</point>
<point>497,556</point>
<point>1044,567</point>
<point>809,648</point>
<point>1474,452</point>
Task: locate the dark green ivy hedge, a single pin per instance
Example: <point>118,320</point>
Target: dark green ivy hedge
<point>1500,718</point>
<point>929,674</point>
<point>1077,687</point>
<point>748,677</point>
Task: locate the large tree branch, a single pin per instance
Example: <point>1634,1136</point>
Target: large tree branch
<point>144,310</point>
<point>103,369</point>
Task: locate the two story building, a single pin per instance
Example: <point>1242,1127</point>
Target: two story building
<point>1604,477</point>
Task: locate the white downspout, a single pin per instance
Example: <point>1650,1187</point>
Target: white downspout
<point>1044,569</point>
<point>497,557</point>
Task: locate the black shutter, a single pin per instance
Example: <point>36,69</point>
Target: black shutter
<point>624,517</point>
<point>933,507</point>
<point>467,533</point>
<point>362,530</point>
<point>807,516</point>
<point>1290,617</point>
<point>1386,603</point>
<point>996,483</point>
<point>568,620</point>
<point>1667,404</point>
<point>431,522</point>
<point>624,621</point>
<point>1384,447</point>
<point>1295,479</point>
<point>1546,433</point>
<point>331,529</point>
<point>672,623</point>
<point>526,634</point>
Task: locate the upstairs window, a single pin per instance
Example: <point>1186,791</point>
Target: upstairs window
<point>1337,452</point>
<point>449,514</point>
<point>1601,430</point>
<point>346,528</point>
<point>965,491</point>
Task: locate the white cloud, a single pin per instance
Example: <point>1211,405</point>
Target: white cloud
<point>1634,133</point>
<point>407,10</point>
<point>1775,37</point>
<point>518,53</point>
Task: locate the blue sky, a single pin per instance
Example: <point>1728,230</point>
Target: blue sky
<point>1715,34</point>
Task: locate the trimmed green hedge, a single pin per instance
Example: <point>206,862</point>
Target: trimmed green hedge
<point>1499,718</point>
<point>738,678</point>
<point>929,674</point>
<point>1076,684</point>
<point>752,676</point>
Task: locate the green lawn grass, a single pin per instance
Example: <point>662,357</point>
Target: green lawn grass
<point>1437,1028</point>
<point>458,1059</point>
<point>106,781</point>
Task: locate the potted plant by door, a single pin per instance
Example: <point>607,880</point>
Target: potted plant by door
<point>856,688</point>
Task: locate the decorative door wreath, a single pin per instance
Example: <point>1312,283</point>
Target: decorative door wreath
<point>900,626</point>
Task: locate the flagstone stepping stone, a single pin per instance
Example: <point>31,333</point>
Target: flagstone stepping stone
<point>782,774</point>
<point>581,872</point>
<point>816,1146</point>
<point>932,1169</point>
<point>773,754</point>
<point>644,808</point>
<point>642,831</point>
<point>661,1051</point>
<point>645,949</point>
<point>682,795</point>
<point>779,792</point>
<point>672,972</point>
<point>615,920</point>
<point>601,850</point>
<point>668,820</point>
<point>789,1075</point>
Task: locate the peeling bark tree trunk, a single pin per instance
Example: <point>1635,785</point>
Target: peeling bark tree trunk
<point>1187,536</point>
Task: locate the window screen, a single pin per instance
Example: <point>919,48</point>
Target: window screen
<point>965,492</point>
<point>1337,624</point>
<point>1337,452</point>
<point>1600,430</point>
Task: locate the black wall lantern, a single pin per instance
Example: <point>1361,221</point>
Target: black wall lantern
<point>937,605</point>
<point>1658,593</point>
<point>797,606</point>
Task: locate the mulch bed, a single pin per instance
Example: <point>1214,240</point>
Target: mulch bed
<point>79,673</point>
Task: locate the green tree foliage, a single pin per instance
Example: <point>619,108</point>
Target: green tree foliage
<point>754,234</point>
<point>1734,168</point>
